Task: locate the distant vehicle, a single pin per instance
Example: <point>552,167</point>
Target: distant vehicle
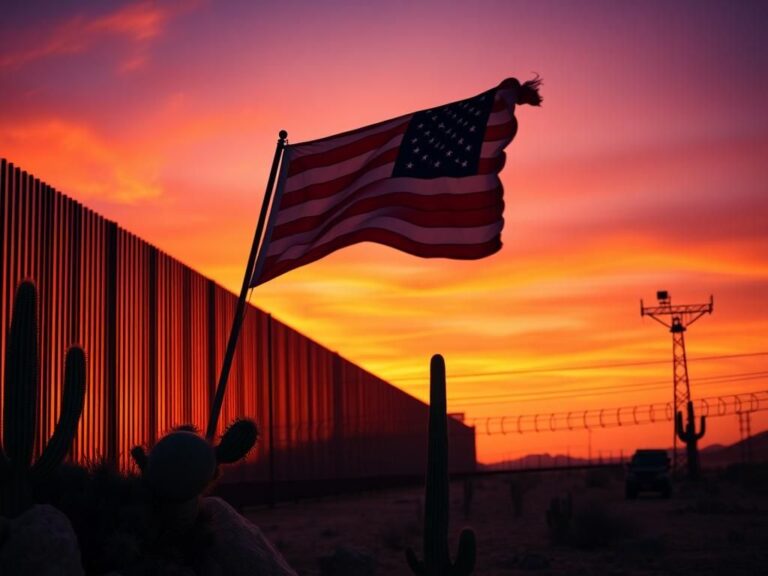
<point>648,471</point>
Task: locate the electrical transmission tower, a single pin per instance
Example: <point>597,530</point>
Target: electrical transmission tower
<point>677,318</point>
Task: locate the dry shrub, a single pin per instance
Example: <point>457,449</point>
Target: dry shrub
<point>595,525</point>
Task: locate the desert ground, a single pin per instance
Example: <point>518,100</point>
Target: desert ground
<point>718,526</point>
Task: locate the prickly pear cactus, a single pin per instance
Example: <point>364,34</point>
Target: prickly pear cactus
<point>18,474</point>
<point>437,561</point>
<point>180,466</point>
<point>183,465</point>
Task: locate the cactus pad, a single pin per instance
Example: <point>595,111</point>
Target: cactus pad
<point>237,441</point>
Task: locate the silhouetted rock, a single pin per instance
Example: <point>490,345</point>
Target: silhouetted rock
<point>41,543</point>
<point>240,548</point>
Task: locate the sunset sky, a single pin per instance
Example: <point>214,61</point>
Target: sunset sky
<point>646,168</point>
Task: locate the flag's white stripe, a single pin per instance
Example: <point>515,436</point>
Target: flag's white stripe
<point>333,171</point>
<point>287,249</point>
<point>379,184</point>
<point>320,146</point>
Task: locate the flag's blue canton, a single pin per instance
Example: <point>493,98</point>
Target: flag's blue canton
<point>445,141</point>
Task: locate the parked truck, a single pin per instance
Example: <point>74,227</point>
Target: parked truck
<point>649,471</point>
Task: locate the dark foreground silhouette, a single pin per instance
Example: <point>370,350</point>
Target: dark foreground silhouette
<point>713,527</point>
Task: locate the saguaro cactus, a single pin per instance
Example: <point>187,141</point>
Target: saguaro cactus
<point>18,474</point>
<point>691,438</point>
<point>437,561</point>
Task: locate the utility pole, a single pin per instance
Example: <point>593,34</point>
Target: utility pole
<point>677,318</point>
<point>745,432</point>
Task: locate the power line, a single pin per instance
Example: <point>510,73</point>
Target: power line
<point>576,368</point>
<point>599,390</point>
<point>559,387</point>
<point>564,397</point>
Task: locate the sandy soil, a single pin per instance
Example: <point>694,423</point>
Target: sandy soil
<point>717,528</point>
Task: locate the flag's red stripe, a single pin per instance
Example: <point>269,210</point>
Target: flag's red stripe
<point>505,131</point>
<point>273,267</point>
<point>391,218</point>
<point>452,210</point>
<point>331,187</point>
<point>345,152</point>
<point>491,165</point>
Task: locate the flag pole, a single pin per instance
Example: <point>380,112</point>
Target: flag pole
<point>237,323</point>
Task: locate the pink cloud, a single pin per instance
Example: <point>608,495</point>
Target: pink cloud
<point>136,23</point>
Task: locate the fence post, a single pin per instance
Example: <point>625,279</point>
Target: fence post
<point>186,342</point>
<point>152,345</point>
<point>110,321</point>
<point>211,343</point>
<point>271,412</point>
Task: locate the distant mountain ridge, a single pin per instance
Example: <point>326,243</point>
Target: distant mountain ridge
<point>756,446</point>
<point>712,456</point>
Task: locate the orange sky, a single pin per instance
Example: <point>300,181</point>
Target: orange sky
<point>645,169</point>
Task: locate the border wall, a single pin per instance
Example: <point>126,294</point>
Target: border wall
<point>155,331</point>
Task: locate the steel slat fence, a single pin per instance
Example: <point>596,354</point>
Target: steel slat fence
<point>155,331</point>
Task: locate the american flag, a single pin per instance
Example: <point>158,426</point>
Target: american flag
<point>425,183</point>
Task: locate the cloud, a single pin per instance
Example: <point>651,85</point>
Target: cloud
<point>135,23</point>
<point>77,160</point>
